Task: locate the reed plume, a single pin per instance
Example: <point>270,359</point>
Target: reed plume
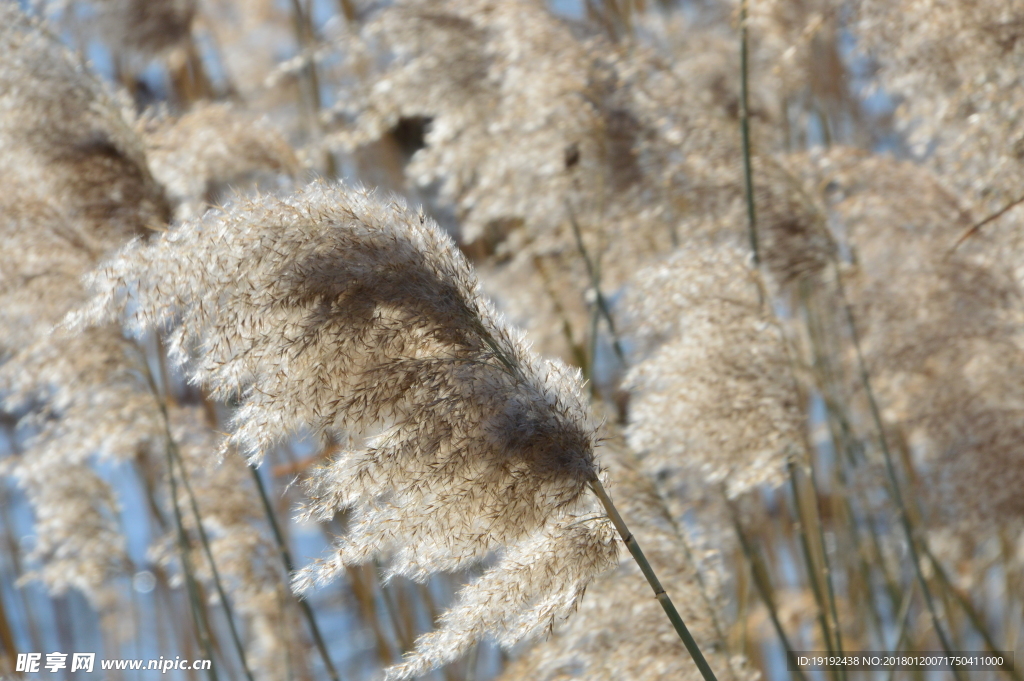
<point>635,153</point>
<point>197,156</point>
<point>67,139</point>
<point>929,306</point>
<point>956,71</point>
<point>76,187</point>
<point>714,394</point>
<point>636,186</point>
<point>356,319</point>
<point>594,644</point>
<point>559,105</point>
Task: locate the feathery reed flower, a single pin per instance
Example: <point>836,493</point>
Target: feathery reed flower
<point>956,69</point>
<point>939,330</point>
<point>595,645</point>
<point>75,188</point>
<point>198,155</point>
<point>715,396</point>
<point>66,139</point>
<point>536,130</point>
<point>359,320</point>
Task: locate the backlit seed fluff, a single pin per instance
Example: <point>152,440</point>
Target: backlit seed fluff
<point>75,188</point>
<point>596,645</point>
<point>198,155</point>
<point>714,394</point>
<point>65,138</point>
<point>358,320</point>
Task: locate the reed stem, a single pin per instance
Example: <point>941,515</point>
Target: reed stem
<point>174,456</point>
<point>812,568</point>
<point>289,566</point>
<point>972,614</point>
<point>761,583</point>
<point>659,592</point>
<point>903,618</point>
<point>594,275</point>
<point>748,170</point>
<point>204,541</point>
<point>202,631</point>
<point>890,469</point>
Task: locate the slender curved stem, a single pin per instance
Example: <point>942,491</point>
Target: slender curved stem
<point>202,632</point>
<point>289,566</point>
<point>204,541</point>
<point>761,582</point>
<point>174,457</point>
<point>890,469</point>
<point>812,568</point>
<point>652,579</point>
<point>748,170</point>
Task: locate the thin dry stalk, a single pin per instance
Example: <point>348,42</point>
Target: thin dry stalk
<point>594,274</point>
<point>813,574</point>
<point>289,566</point>
<point>761,580</point>
<point>202,627</point>
<point>659,592</point>
<point>977,621</point>
<point>748,169</point>
<point>890,469</point>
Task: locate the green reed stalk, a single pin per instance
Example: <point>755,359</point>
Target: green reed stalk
<point>659,592</point>
<point>174,456</point>
<point>826,567</point>
<point>593,272</point>
<point>903,617</point>
<point>748,169</point>
<point>972,613</point>
<point>289,566</point>
<point>579,352</point>
<point>403,635</point>
<point>204,540</point>
<point>855,532</point>
<point>843,441</point>
<point>191,585</point>
<point>811,567</point>
<point>704,591</point>
<point>311,102</point>
<point>203,630</point>
<point>362,589</point>
<point>826,564</point>
<point>761,581</point>
<point>890,469</point>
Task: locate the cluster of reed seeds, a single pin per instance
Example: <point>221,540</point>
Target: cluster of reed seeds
<point>422,338</point>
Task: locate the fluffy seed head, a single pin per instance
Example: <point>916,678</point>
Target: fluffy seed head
<point>359,321</point>
<point>715,397</point>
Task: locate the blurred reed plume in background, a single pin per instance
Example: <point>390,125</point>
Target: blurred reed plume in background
<point>322,323</point>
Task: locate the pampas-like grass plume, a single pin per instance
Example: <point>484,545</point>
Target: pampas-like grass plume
<point>76,187</point>
<point>594,645</point>
<point>198,155</point>
<point>357,319</point>
<point>715,398</point>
